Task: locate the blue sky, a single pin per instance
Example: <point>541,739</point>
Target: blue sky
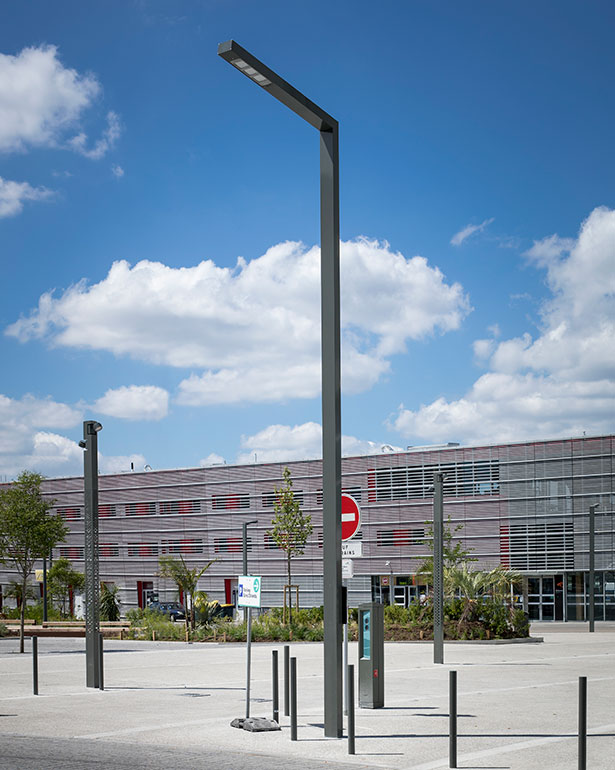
<point>159,227</point>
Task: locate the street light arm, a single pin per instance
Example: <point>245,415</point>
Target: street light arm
<point>254,69</point>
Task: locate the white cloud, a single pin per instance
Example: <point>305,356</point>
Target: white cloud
<point>29,439</point>
<point>212,459</point>
<point>560,383</point>
<point>40,98</point>
<point>469,230</point>
<point>279,443</point>
<point>117,171</point>
<point>253,332</point>
<point>103,145</point>
<point>134,402</point>
<point>13,195</point>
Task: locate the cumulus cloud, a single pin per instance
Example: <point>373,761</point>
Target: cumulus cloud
<point>134,402</point>
<point>562,382</point>
<point>13,195</point>
<point>117,171</point>
<point>32,437</point>
<point>40,98</point>
<point>252,332</point>
<point>278,443</point>
<point>212,459</point>
<point>469,230</point>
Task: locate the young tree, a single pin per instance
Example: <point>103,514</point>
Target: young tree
<point>454,554</point>
<point>109,602</point>
<point>61,579</point>
<point>185,579</point>
<point>290,527</point>
<point>27,530</point>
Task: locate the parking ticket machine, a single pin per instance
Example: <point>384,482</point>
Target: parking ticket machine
<point>371,656</point>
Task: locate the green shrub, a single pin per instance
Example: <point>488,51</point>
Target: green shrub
<point>3,630</point>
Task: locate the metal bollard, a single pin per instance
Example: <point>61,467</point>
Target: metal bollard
<point>286,679</point>
<point>452,719</point>
<point>582,723</point>
<point>35,665</point>
<point>293,699</point>
<point>101,661</point>
<point>275,686</point>
<point>350,706</point>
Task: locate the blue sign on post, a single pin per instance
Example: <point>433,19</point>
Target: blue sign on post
<point>366,651</point>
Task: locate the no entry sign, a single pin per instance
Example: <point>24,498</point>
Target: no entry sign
<point>351,517</point>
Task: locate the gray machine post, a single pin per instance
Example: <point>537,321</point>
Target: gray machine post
<point>371,656</point>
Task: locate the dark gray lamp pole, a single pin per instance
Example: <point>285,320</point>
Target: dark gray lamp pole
<point>91,429</point>
<point>330,342</point>
<point>438,569</point>
<point>592,566</point>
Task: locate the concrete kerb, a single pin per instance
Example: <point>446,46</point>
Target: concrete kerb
<point>519,701</point>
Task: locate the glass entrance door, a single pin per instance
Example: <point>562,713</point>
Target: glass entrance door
<point>541,595</point>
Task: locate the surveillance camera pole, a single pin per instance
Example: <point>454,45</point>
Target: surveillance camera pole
<point>92,609</point>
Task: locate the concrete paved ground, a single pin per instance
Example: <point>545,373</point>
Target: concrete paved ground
<point>170,704</point>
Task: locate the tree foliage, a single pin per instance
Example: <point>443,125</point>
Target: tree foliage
<point>454,553</point>
<point>61,579</point>
<point>291,527</point>
<point>27,530</point>
<point>185,579</point>
<point>109,602</point>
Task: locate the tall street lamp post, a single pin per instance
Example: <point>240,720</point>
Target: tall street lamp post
<point>330,346</point>
<point>438,569</point>
<point>92,610</point>
<point>592,566</point>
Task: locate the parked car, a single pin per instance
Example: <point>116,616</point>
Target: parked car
<point>173,610</point>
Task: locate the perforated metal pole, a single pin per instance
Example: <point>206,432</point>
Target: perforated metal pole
<point>286,680</point>
<point>582,723</point>
<point>452,718</point>
<point>350,706</point>
<point>438,570</point>
<point>35,665</point>
<point>275,690</point>
<point>293,699</point>
<point>92,610</point>
<point>101,662</point>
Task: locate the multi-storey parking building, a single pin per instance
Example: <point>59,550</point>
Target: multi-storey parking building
<point>522,505</point>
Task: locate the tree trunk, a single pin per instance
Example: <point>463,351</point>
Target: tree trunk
<point>290,594</point>
<point>22,614</point>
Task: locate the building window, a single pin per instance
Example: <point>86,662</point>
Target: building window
<point>229,502</point>
<point>106,510</point>
<point>271,498</point>
<point>230,544</point>
<point>270,544</point>
<point>399,537</point>
<point>540,545</point>
<point>143,549</point>
<point>187,545</point>
<point>140,509</point>
<point>109,550</point>
<point>70,513</point>
<point>71,552</point>
<point>465,479</point>
<point>181,507</point>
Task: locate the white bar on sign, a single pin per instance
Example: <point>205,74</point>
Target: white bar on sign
<point>348,517</point>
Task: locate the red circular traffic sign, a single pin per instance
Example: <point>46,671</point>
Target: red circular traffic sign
<point>351,517</point>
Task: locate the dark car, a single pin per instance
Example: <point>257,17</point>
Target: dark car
<point>172,610</point>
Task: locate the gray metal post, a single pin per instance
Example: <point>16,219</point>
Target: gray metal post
<point>345,662</point>
<point>592,566</point>
<point>92,609</point>
<point>438,570</point>
<point>245,526</point>
<point>582,723</point>
<point>293,699</point>
<point>44,589</point>
<point>101,662</point>
<point>328,127</point>
<point>286,680</point>
<point>248,658</point>
<point>275,686</point>
<point>350,705</point>
<point>35,665</point>
<point>452,718</point>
